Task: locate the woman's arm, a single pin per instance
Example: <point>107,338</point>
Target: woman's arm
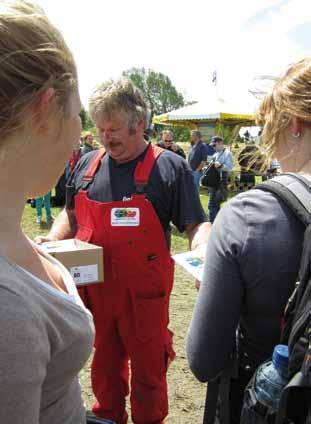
<point>216,315</point>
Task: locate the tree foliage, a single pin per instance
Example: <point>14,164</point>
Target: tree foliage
<point>160,93</point>
<point>86,121</point>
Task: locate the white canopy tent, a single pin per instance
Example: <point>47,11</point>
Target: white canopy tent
<point>213,112</point>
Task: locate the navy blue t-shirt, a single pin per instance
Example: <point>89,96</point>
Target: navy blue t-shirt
<point>171,187</point>
<point>197,154</point>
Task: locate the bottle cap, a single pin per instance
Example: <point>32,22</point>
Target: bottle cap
<point>280,356</point>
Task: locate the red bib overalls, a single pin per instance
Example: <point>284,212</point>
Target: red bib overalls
<point>130,307</point>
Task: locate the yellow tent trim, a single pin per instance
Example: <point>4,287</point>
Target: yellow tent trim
<point>226,118</point>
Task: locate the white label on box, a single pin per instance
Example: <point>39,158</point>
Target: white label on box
<point>125,217</point>
<point>84,274</point>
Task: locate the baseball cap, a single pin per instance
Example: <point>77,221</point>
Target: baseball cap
<point>216,138</point>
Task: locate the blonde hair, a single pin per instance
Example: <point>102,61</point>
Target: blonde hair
<point>86,135</point>
<point>118,96</point>
<point>290,97</point>
<point>33,58</point>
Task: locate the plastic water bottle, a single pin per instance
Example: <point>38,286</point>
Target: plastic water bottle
<point>263,396</point>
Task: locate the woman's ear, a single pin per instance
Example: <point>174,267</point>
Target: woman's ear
<point>44,107</point>
<point>295,127</point>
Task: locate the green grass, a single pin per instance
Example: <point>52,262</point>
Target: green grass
<point>29,225</point>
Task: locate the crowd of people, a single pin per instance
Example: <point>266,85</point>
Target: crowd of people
<point>50,328</point>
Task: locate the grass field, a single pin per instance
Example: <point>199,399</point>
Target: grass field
<point>186,395</point>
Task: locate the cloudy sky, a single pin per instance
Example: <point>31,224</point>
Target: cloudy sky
<point>186,40</point>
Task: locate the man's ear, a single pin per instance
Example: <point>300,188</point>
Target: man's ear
<point>295,127</point>
<point>44,107</point>
<point>141,125</point>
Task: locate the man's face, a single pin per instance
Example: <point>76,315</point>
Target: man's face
<point>122,143</point>
<point>219,145</point>
<point>193,137</point>
<point>167,140</point>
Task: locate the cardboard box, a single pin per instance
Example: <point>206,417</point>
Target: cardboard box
<point>83,260</point>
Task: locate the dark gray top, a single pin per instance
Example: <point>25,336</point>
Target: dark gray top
<point>252,261</point>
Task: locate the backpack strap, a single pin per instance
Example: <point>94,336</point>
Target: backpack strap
<point>144,167</point>
<point>295,191</point>
<point>218,392</point>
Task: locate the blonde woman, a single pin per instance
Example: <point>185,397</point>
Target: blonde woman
<point>254,250</point>
<point>46,333</point>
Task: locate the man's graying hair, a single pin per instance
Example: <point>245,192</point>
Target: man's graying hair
<point>118,96</point>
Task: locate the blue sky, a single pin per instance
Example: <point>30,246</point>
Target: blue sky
<point>187,41</point>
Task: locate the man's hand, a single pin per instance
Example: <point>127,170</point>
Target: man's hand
<point>174,147</point>
<point>198,234</point>
<point>64,227</point>
<point>217,164</point>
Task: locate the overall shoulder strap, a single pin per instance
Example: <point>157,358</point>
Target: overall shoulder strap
<point>144,167</point>
<point>295,191</point>
<point>91,170</point>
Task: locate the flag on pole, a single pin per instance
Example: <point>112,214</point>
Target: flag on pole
<point>214,77</point>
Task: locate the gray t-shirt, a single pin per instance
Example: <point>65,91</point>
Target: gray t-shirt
<point>252,261</point>
<point>45,340</point>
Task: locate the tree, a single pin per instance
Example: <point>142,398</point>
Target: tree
<point>86,121</point>
<point>158,90</point>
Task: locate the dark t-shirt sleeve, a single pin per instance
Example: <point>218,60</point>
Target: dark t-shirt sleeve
<point>173,192</point>
<point>187,207</point>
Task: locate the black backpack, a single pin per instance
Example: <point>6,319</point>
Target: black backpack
<point>295,404</point>
<point>210,177</point>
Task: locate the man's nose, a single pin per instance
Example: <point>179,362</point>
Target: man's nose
<point>105,135</point>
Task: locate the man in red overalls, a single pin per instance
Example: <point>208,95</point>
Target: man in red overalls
<point>123,197</point>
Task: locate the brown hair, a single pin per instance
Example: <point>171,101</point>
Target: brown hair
<point>196,133</point>
<point>118,96</point>
<point>33,58</point>
<point>290,97</point>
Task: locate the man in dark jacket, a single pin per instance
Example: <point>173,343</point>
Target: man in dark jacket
<point>197,155</point>
<point>167,143</point>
